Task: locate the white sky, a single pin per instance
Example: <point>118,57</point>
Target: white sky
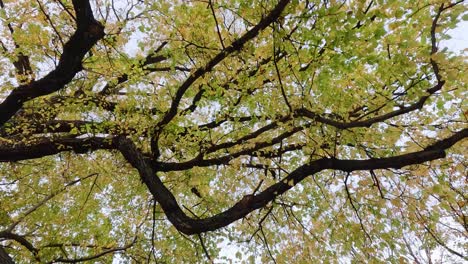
<point>459,41</point>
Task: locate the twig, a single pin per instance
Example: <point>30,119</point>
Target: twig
<point>210,3</point>
<point>204,248</point>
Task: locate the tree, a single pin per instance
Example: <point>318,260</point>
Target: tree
<point>164,131</point>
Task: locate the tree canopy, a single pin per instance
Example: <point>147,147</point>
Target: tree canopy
<point>279,131</point>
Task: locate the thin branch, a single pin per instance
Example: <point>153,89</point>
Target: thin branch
<point>210,3</point>
<point>235,46</point>
<point>45,200</point>
<point>267,246</point>
<point>350,199</point>
<point>410,250</point>
<point>153,233</point>
<point>98,255</point>
<point>66,9</point>
<point>438,240</point>
<point>283,93</point>
<point>204,248</point>
<point>50,22</point>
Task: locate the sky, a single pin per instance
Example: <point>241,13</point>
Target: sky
<point>459,41</point>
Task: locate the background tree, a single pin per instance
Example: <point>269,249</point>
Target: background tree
<point>292,130</point>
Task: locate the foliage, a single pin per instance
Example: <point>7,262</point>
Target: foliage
<point>260,131</point>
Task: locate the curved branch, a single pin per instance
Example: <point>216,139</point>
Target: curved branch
<point>369,122</point>
<point>21,240</point>
<point>98,255</point>
<point>88,32</point>
<point>403,110</point>
<point>235,46</point>
<point>249,203</point>
<point>199,161</point>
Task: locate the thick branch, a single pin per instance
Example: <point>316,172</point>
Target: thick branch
<point>235,46</point>
<point>21,240</point>
<point>250,203</point>
<point>88,32</point>
<point>44,147</point>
